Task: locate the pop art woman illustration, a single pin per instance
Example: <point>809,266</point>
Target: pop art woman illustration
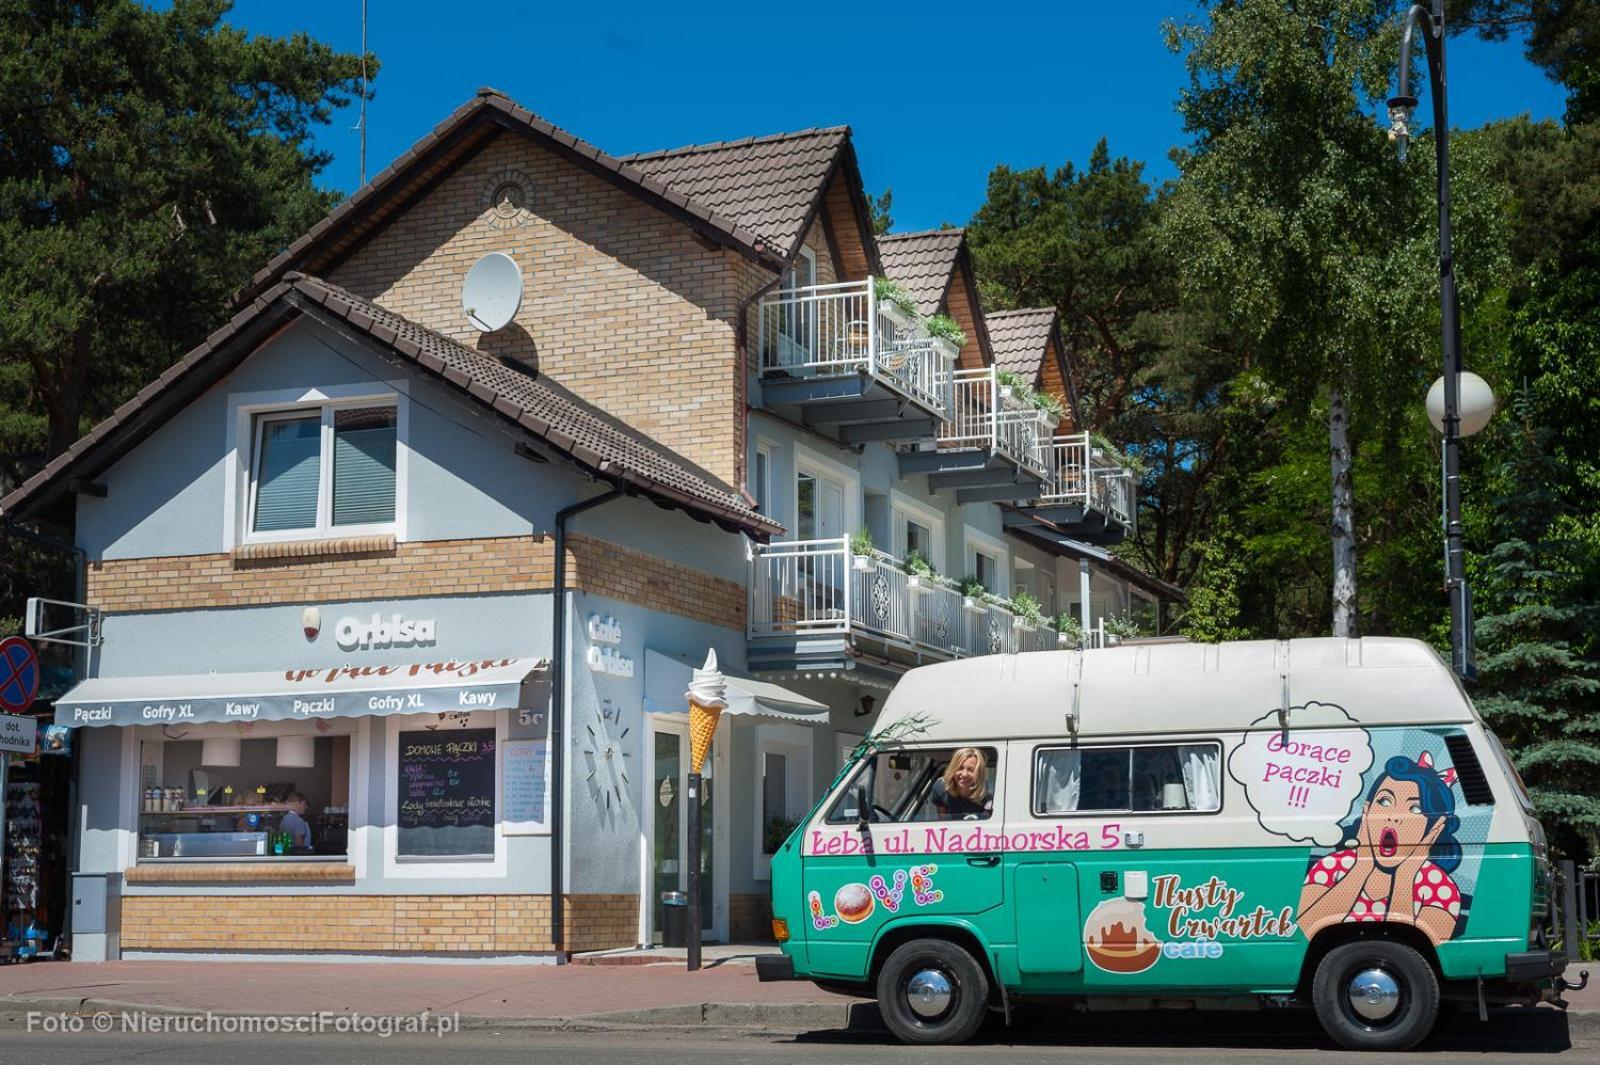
<point>1398,856</point>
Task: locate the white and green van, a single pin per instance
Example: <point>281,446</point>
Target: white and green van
<point>1174,824</point>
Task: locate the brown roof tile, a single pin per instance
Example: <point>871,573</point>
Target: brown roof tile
<point>438,152</point>
<point>1020,339</point>
<point>562,421</point>
<point>767,185</point>
<point>922,262</point>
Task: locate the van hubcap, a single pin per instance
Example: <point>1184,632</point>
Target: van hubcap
<point>928,993</point>
<point>1374,995</point>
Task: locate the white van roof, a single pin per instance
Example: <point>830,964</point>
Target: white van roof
<point>1176,688</point>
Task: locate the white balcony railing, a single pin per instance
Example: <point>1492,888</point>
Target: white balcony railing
<point>1079,474</point>
<point>835,330</point>
<point>981,416</point>
<point>813,587</point>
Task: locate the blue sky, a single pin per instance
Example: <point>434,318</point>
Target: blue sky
<point>936,93</point>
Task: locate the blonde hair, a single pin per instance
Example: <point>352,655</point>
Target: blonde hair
<point>980,780</point>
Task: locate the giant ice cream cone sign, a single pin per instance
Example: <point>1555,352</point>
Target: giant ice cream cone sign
<point>707,700</point>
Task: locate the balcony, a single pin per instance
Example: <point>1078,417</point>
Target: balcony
<point>991,448</point>
<point>1087,496</point>
<point>849,360</point>
<point>816,606</point>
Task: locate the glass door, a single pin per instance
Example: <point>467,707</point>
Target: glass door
<point>670,853</point>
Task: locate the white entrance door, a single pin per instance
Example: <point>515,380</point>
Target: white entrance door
<point>669,823</point>
<point>819,507</point>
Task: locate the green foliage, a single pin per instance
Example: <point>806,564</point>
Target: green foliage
<point>882,220</point>
<point>1214,608</point>
<point>152,161</point>
<point>1026,607</point>
<point>775,832</point>
<point>1124,626</point>
<point>973,588</point>
<point>945,328</point>
<point>861,542</point>
<point>917,565</point>
<point>889,290</point>
<point>1539,676</point>
<point>1070,626</point>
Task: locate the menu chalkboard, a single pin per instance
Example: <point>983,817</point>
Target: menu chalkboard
<point>447,792</point>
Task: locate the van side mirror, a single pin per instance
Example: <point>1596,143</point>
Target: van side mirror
<point>863,808</point>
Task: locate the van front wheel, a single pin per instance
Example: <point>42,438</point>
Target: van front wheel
<point>932,991</point>
<point>1375,995</point>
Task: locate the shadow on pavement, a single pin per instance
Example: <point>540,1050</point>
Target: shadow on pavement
<point>1513,1031</point>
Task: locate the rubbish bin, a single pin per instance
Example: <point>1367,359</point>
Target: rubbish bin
<point>674,919</point>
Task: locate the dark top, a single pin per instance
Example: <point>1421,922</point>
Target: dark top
<point>959,805</point>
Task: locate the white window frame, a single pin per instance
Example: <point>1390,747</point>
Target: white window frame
<point>905,507</point>
<point>761,474</point>
<point>809,462</point>
<point>419,867</point>
<point>249,411</point>
<point>996,549</point>
<point>794,743</point>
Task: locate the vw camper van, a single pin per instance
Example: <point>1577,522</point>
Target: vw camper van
<point>1321,821</point>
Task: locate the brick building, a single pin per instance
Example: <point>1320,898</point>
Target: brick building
<point>397,612</point>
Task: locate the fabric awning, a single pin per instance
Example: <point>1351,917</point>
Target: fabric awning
<point>666,679</point>
<point>301,694</point>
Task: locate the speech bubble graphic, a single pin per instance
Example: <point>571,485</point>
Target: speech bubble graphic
<point>1302,782</point>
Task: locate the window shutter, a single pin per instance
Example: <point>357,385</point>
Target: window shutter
<point>363,466</point>
<point>287,472</point>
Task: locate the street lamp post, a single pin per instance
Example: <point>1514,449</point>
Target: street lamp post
<point>1400,111</point>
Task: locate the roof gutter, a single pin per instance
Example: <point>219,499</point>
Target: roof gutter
<point>558,716</point>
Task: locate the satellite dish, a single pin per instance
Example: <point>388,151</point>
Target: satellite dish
<point>492,292</point>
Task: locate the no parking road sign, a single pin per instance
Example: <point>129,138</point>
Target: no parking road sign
<point>19,674</point>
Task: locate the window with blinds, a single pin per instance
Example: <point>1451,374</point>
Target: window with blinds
<point>318,471</point>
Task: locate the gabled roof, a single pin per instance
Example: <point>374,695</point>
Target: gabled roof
<point>768,185</point>
<point>1021,339</point>
<point>450,144</point>
<point>558,423</point>
<point>922,263</point>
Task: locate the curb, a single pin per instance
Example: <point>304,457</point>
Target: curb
<point>784,1016</point>
<point>853,1017</point>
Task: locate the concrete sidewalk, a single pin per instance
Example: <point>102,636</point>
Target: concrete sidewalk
<point>606,995</point>
<point>569,994</point>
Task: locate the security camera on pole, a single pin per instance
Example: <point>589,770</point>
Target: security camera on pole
<point>707,696</point>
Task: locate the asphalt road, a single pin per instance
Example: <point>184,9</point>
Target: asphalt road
<point>1045,1037</point>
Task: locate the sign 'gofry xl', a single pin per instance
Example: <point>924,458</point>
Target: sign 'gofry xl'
<point>1301,781</point>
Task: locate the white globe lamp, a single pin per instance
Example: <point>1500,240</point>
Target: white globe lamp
<point>1476,404</point>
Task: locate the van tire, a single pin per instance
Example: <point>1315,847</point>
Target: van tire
<point>917,976</point>
<point>1396,968</point>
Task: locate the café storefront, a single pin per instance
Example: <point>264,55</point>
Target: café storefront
<point>388,808</point>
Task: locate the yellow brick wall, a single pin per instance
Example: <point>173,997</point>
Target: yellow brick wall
<point>485,924</point>
<point>621,303</point>
<point>422,568</point>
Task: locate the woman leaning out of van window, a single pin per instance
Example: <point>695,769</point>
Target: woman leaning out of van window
<point>963,793</point>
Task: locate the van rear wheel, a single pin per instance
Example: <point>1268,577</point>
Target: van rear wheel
<point>932,991</point>
<point>1375,995</point>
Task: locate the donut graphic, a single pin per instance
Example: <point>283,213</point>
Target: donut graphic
<point>853,903</point>
<point>1116,938</point>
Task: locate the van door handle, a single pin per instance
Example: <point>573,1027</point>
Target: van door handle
<point>987,860</point>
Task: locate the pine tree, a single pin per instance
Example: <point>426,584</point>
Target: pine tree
<point>1538,675</point>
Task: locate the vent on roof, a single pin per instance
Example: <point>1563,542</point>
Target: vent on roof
<point>1469,774</point>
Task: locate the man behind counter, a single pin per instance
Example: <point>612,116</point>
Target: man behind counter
<point>294,822</point>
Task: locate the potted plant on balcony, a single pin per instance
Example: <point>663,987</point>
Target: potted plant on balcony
<point>943,327</point>
<point>1026,611</point>
<point>1015,393</point>
<point>1069,630</point>
<point>1051,406</point>
<point>1123,627</point>
<point>973,595</point>
<point>896,302</point>
<point>920,574</point>
<point>861,553</point>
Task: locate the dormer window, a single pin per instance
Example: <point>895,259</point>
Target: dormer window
<point>323,471</point>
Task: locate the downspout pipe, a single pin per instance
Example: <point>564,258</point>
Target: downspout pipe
<point>558,716</point>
